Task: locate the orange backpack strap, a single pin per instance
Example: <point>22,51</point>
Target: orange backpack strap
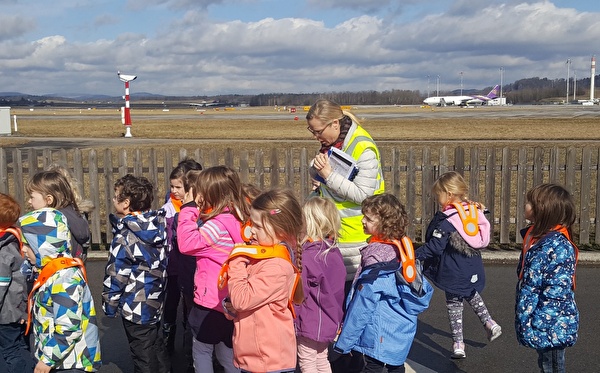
<point>406,253</point>
<point>468,218</point>
<point>48,271</point>
<point>258,252</point>
<point>17,233</point>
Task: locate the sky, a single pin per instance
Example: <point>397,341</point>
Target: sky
<point>212,47</point>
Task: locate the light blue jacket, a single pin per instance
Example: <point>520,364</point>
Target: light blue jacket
<point>546,314</point>
<point>381,317</point>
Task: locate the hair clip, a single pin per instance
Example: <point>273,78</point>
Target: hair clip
<point>274,211</point>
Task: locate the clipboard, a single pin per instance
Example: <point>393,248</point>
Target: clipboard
<point>341,163</point>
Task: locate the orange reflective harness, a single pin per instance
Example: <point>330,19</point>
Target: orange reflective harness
<point>265,252</point>
<point>48,271</point>
<point>468,218</point>
<point>17,233</point>
<point>406,255</point>
<point>529,241</point>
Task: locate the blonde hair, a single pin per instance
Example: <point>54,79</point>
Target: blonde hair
<point>451,182</point>
<point>327,111</point>
<point>280,209</point>
<point>220,188</point>
<point>82,205</point>
<point>53,183</point>
<point>322,221</point>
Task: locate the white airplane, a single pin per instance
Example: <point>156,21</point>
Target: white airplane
<point>462,100</point>
<point>204,103</point>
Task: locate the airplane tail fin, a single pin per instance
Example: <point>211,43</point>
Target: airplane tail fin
<point>494,92</point>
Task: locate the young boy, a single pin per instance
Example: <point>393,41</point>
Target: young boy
<point>13,290</point>
<point>135,276</point>
<point>64,317</point>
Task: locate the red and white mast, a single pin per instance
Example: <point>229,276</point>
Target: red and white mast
<point>592,78</point>
<point>126,111</point>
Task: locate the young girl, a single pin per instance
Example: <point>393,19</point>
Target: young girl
<point>52,189</point>
<point>451,257</point>
<point>180,268</point>
<point>216,199</point>
<point>381,316</point>
<point>547,318</point>
<point>261,280</point>
<point>323,276</point>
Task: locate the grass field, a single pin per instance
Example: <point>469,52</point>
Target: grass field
<point>575,124</point>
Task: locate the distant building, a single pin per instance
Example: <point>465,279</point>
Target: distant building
<point>498,101</point>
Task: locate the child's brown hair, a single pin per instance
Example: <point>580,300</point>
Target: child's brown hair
<point>9,211</point>
<point>393,219</point>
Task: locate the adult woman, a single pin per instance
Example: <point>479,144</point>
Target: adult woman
<point>336,128</point>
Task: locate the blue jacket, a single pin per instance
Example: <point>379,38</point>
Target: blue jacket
<point>136,271</point>
<point>546,314</point>
<point>448,261</point>
<point>323,278</point>
<point>381,316</point>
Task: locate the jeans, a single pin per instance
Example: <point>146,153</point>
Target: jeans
<point>13,349</point>
<point>376,366</point>
<point>551,360</point>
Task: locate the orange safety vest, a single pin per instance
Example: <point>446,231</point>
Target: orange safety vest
<point>469,221</point>
<point>529,241</point>
<point>265,252</point>
<point>48,271</point>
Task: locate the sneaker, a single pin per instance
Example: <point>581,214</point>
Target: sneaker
<point>458,350</point>
<point>493,330</point>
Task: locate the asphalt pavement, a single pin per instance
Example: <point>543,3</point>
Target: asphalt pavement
<point>431,348</point>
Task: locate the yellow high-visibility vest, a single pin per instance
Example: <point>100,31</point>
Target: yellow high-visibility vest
<point>350,212</point>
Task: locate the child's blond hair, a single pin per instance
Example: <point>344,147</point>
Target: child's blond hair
<point>322,221</point>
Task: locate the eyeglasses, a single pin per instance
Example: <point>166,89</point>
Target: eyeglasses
<point>320,132</point>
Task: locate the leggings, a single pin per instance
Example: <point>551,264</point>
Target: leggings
<point>454,304</point>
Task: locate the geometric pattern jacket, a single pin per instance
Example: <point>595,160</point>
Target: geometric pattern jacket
<point>135,275</point>
<point>64,323</point>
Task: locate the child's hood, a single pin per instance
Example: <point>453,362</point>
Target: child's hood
<point>148,226</point>
<point>481,239</point>
<point>46,232</point>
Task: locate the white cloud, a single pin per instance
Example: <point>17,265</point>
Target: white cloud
<point>199,54</point>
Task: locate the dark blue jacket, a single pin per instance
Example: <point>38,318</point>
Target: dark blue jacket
<point>136,271</point>
<point>546,314</point>
<point>448,261</point>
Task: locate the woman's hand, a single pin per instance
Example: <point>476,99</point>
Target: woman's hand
<point>321,164</point>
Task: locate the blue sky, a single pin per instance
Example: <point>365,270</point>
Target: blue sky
<point>208,47</point>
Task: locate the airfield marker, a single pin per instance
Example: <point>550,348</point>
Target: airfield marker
<point>127,116</point>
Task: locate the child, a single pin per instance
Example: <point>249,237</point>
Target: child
<point>180,268</point>
<point>135,275</point>
<point>547,318</point>
<point>216,199</point>
<point>80,231</point>
<point>452,259</point>
<point>323,278</point>
<point>381,316</point>
<point>261,279</point>
<point>52,189</point>
<point>13,289</point>
<point>64,317</point>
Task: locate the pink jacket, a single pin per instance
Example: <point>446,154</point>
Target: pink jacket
<point>211,244</point>
<point>263,338</point>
